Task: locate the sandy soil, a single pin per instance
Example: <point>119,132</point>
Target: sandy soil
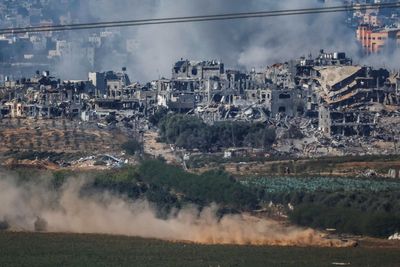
<point>152,147</point>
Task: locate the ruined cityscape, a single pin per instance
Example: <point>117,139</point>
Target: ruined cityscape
<point>69,104</point>
<point>319,104</point>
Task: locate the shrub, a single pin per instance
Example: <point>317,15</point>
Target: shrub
<point>132,147</point>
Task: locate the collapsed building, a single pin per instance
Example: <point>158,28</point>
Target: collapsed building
<point>197,83</point>
<point>115,92</point>
<point>42,96</point>
<point>338,97</point>
<point>347,94</point>
<point>332,95</point>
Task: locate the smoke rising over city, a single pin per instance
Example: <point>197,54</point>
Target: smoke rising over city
<point>149,51</point>
<point>244,43</point>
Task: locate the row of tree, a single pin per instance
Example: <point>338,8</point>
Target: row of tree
<point>354,212</point>
<point>346,220</point>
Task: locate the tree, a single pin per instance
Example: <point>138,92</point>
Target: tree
<point>132,147</point>
<point>156,118</point>
<point>191,132</point>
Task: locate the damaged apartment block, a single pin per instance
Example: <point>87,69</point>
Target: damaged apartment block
<point>346,123</point>
<point>325,95</point>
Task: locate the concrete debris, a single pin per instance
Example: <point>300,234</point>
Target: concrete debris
<point>395,236</point>
<point>99,161</point>
<point>394,174</point>
<point>323,105</point>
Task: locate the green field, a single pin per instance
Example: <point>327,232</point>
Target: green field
<point>313,184</point>
<point>33,249</point>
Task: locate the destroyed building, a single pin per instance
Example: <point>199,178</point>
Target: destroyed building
<point>191,83</point>
<point>346,92</point>
<point>298,88</point>
<point>42,96</point>
<point>287,102</point>
<point>197,70</point>
<point>346,122</point>
<point>327,93</point>
<point>329,87</point>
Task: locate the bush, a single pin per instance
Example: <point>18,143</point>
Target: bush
<point>60,177</point>
<point>132,147</point>
<point>158,116</point>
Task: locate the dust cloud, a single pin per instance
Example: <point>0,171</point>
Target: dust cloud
<point>68,210</point>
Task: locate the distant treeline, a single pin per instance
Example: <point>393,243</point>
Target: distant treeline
<point>169,186</point>
<point>190,132</point>
<point>353,212</point>
<point>346,220</point>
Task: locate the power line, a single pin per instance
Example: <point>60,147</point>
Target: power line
<point>188,19</point>
<point>205,16</point>
<point>194,18</point>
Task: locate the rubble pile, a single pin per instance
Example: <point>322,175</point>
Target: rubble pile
<point>323,105</point>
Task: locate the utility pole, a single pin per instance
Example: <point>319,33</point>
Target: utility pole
<point>233,136</point>
<point>395,145</point>
<point>377,89</point>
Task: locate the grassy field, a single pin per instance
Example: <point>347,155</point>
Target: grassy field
<point>33,249</point>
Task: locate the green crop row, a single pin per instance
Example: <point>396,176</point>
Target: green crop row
<point>289,184</point>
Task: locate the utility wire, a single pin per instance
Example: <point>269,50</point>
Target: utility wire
<point>187,19</point>
<point>195,18</point>
<point>205,16</point>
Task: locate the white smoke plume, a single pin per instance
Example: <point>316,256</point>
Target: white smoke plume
<point>70,212</point>
<point>242,44</point>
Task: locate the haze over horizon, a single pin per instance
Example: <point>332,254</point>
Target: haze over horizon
<point>241,44</point>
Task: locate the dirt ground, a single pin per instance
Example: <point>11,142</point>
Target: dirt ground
<point>311,167</point>
<point>152,147</point>
<point>58,136</point>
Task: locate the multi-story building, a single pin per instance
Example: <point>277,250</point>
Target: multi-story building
<point>374,39</point>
